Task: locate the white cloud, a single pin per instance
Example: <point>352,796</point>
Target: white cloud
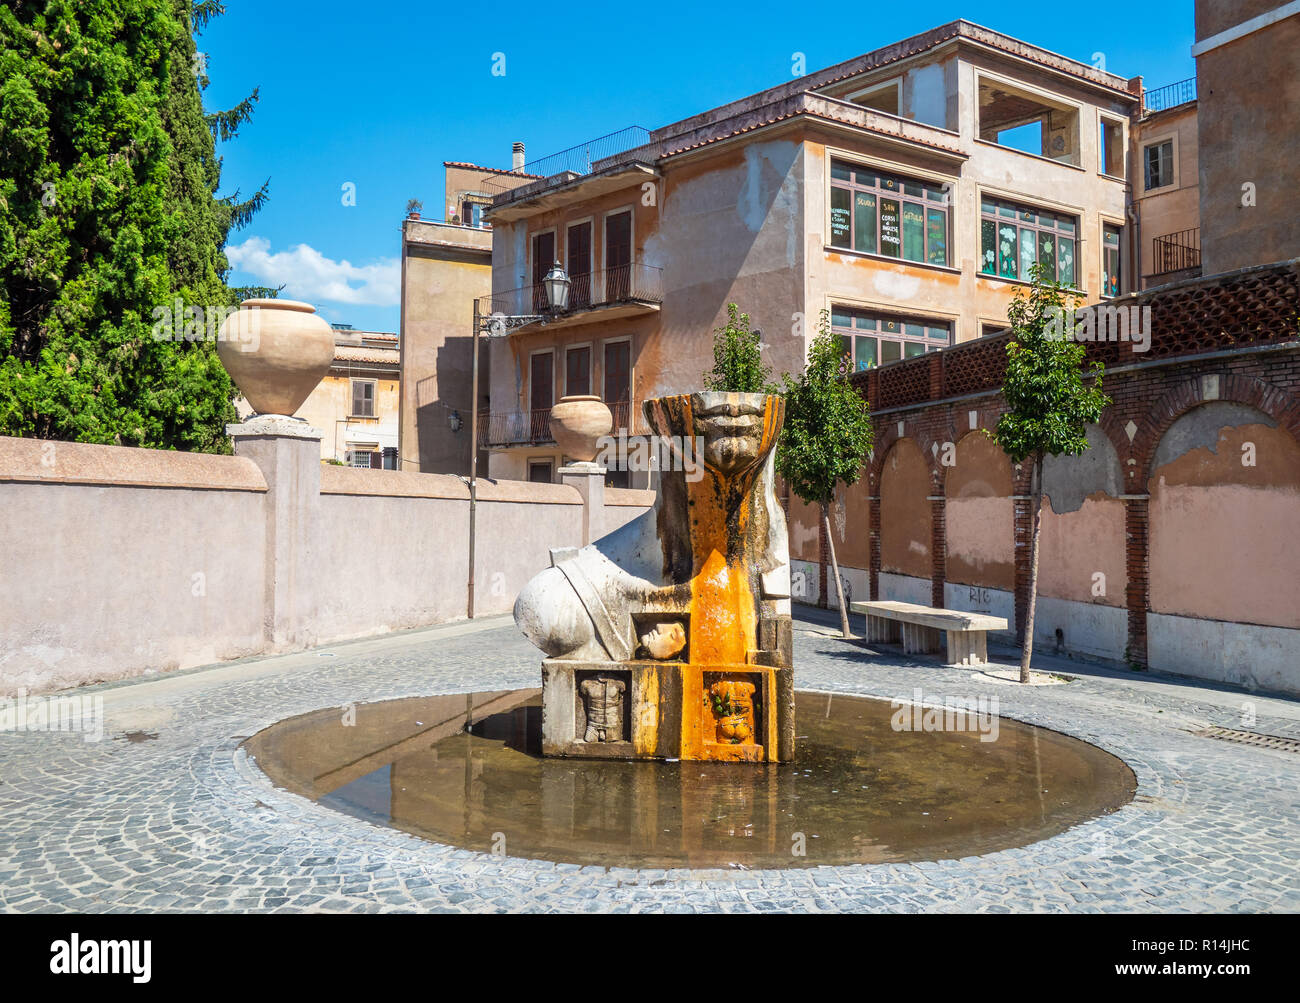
<point>306,274</point>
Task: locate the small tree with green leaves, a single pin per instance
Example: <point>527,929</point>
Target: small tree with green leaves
<point>738,358</point>
<point>1051,397</point>
<point>827,432</point>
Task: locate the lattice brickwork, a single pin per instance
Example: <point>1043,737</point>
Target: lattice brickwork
<point>1261,306</point>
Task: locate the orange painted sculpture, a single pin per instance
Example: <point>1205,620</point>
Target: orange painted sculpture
<point>690,604</point>
<point>732,703</point>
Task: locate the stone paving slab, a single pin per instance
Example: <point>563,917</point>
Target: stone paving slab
<point>184,822</point>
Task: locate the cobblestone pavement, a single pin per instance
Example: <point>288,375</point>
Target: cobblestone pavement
<point>184,822</point>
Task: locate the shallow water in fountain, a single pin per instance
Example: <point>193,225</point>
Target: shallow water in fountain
<point>859,791</point>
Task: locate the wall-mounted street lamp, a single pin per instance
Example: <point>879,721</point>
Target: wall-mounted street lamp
<point>556,285</point>
<point>455,422</point>
<point>498,325</point>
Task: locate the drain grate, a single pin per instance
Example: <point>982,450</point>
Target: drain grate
<point>1252,738</point>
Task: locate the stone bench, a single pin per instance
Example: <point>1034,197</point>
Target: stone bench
<point>922,629</point>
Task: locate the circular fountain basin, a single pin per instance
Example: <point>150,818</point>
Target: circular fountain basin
<point>861,789</point>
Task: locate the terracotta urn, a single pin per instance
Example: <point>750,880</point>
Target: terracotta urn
<point>578,423</point>
<point>276,351</point>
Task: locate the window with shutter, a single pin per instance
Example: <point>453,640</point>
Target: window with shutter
<point>618,256</point>
<point>577,371</point>
<point>363,398</point>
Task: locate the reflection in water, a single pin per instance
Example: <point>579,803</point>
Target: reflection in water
<point>858,791</point>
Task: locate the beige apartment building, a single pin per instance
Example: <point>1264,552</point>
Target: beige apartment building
<point>905,193</point>
<point>446,265</point>
<point>356,404</point>
<point>1165,213</point>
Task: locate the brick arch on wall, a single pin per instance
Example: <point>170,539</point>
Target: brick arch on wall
<point>1112,425</point>
<point>1152,423</point>
<point>881,456</point>
<point>958,516</point>
<point>1282,407</point>
<point>887,438</point>
<point>928,431</point>
<point>1212,508</point>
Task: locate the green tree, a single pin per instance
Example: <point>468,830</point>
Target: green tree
<point>827,432</point>
<point>109,219</point>
<point>1051,397</point>
<point>738,358</point>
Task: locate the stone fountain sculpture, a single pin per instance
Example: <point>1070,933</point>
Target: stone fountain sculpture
<point>670,637</point>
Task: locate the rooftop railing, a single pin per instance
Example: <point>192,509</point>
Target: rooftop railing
<point>1169,96</point>
<point>577,159</point>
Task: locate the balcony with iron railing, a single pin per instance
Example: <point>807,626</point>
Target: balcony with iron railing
<point>606,294</point>
<point>1176,252</point>
<point>506,429</point>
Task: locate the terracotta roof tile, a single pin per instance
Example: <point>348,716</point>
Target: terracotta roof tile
<point>356,353</point>
<point>490,170</point>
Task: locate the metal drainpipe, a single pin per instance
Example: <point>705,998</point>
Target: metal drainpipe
<point>473,467</point>
<point>1135,241</point>
<point>1132,213</point>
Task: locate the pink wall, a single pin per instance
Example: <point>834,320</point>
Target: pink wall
<point>1076,546</point>
<point>980,515</point>
<point>905,518</point>
<point>1225,535</point>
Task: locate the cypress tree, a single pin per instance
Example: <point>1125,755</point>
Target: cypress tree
<point>109,220</point>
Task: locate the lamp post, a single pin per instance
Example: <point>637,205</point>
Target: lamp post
<point>499,325</point>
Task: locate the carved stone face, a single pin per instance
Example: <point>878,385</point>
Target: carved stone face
<point>732,428</point>
<point>665,640</point>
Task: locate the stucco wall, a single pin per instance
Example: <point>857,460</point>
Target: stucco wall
<point>1249,134</point>
<point>979,513</point>
<point>1226,497</point>
<point>1082,546</point>
<point>905,513</point>
<point>444,268</point>
<point>803,522</point>
<point>119,562</point>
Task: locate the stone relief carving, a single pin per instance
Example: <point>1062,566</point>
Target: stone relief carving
<point>602,699</point>
<point>732,704</point>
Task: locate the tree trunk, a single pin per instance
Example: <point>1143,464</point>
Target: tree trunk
<point>823,539</point>
<point>1036,512</point>
<point>835,567</point>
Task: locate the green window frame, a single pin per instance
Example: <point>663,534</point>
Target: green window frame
<point>1111,264</point>
<point>869,338</point>
<point>1014,236</point>
<point>880,213</point>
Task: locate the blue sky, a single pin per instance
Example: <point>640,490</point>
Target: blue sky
<point>379,95</point>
